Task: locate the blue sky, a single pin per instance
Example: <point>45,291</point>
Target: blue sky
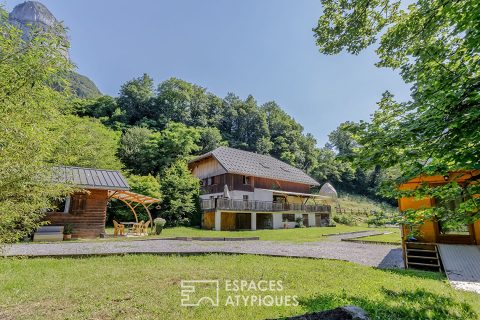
<point>261,47</point>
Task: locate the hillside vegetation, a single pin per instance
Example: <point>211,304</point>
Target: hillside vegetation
<point>354,209</point>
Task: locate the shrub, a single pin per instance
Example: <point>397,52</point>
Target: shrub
<point>299,222</point>
<point>345,219</point>
<point>159,224</point>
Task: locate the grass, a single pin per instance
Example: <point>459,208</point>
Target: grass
<point>288,235</point>
<point>148,287</point>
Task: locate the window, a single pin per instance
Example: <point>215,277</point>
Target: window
<point>246,180</point>
<point>215,180</point>
<point>450,226</point>
<point>288,217</point>
<point>245,197</point>
<point>78,203</point>
<point>61,205</point>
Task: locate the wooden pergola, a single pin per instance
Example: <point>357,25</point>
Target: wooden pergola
<point>133,200</point>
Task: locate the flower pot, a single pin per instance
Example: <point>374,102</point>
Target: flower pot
<point>158,229</point>
<point>67,237</point>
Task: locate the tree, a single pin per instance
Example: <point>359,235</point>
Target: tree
<point>136,98</point>
<point>435,44</point>
<point>86,142</point>
<point>134,150</point>
<point>180,192</point>
<point>30,111</point>
<point>144,151</point>
<point>210,139</point>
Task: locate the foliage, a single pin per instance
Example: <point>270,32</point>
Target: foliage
<point>159,224</point>
<point>210,139</point>
<point>180,192</point>
<point>68,229</point>
<point>30,113</point>
<point>135,99</point>
<point>86,143</point>
<point>146,185</point>
<point>344,219</point>
<point>435,45</point>
<point>82,86</point>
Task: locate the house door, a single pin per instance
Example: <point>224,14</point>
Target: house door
<point>244,221</point>
<point>264,221</point>
<point>321,219</point>
<point>305,220</point>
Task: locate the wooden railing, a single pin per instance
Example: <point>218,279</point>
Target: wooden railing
<point>261,206</point>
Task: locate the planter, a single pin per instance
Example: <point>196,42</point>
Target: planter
<point>158,229</point>
<point>67,237</point>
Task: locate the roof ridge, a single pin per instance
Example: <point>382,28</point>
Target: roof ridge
<point>88,168</point>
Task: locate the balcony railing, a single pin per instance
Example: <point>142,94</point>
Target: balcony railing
<point>261,206</point>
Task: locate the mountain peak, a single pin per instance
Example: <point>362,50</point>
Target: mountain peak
<point>32,12</point>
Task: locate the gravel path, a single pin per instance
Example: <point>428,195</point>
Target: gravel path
<point>382,256</point>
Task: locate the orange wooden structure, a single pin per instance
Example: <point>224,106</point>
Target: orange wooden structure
<point>133,200</point>
<point>431,231</point>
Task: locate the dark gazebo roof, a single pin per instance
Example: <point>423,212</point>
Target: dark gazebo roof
<point>90,178</point>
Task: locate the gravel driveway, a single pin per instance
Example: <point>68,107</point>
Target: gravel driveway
<point>382,256</point>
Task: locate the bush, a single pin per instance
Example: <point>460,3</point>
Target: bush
<point>345,219</point>
<point>159,224</point>
<point>299,223</point>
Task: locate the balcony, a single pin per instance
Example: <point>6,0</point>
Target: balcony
<point>261,206</point>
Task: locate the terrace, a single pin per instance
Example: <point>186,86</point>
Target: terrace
<point>261,206</point>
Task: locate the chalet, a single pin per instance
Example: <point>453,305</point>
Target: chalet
<point>433,236</point>
<point>85,209</point>
<point>247,191</point>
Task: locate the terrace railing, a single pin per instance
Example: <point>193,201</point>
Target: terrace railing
<point>261,206</point>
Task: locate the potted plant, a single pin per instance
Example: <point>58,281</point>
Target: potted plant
<point>67,232</point>
<point>159,224</point>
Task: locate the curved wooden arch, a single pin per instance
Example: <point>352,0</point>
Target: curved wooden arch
<point>132,208</point>
<point>129,197</point>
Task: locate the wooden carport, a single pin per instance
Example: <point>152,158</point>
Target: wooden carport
<point>133,200</point>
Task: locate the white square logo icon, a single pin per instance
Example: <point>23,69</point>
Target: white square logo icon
<point>197,292</point>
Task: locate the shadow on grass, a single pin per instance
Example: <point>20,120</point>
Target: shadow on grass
<point>417,304</point>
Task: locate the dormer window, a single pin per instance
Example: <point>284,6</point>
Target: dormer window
<point>246,180</point>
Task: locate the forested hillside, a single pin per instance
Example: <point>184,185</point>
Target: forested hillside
<point>176,119</point>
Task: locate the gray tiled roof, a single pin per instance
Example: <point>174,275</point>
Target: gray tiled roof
<point>91,178</point>
<point>257,165</point>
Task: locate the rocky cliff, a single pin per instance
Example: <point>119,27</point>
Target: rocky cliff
<point>33,14</point>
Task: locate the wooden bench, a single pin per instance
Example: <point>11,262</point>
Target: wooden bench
<point>49,233</point>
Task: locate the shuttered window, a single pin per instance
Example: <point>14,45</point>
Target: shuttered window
<point>78,203</point>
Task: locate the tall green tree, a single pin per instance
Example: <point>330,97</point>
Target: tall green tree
<point>136,99</point>
<point>86,142</point>
<point>435,44</point>
<point>180,192</point>
<point>30,111</point>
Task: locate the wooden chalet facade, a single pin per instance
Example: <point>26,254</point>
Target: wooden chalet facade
<point>247,191</point>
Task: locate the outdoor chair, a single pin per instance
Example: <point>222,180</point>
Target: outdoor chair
<point>145,228</point>
<point>118,229</point>
<point>137,228</point>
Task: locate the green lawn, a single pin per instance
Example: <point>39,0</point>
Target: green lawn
<point>290,235</point>
<point>148,287</point>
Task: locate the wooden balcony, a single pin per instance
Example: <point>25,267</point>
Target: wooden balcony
<point>261,206</point>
